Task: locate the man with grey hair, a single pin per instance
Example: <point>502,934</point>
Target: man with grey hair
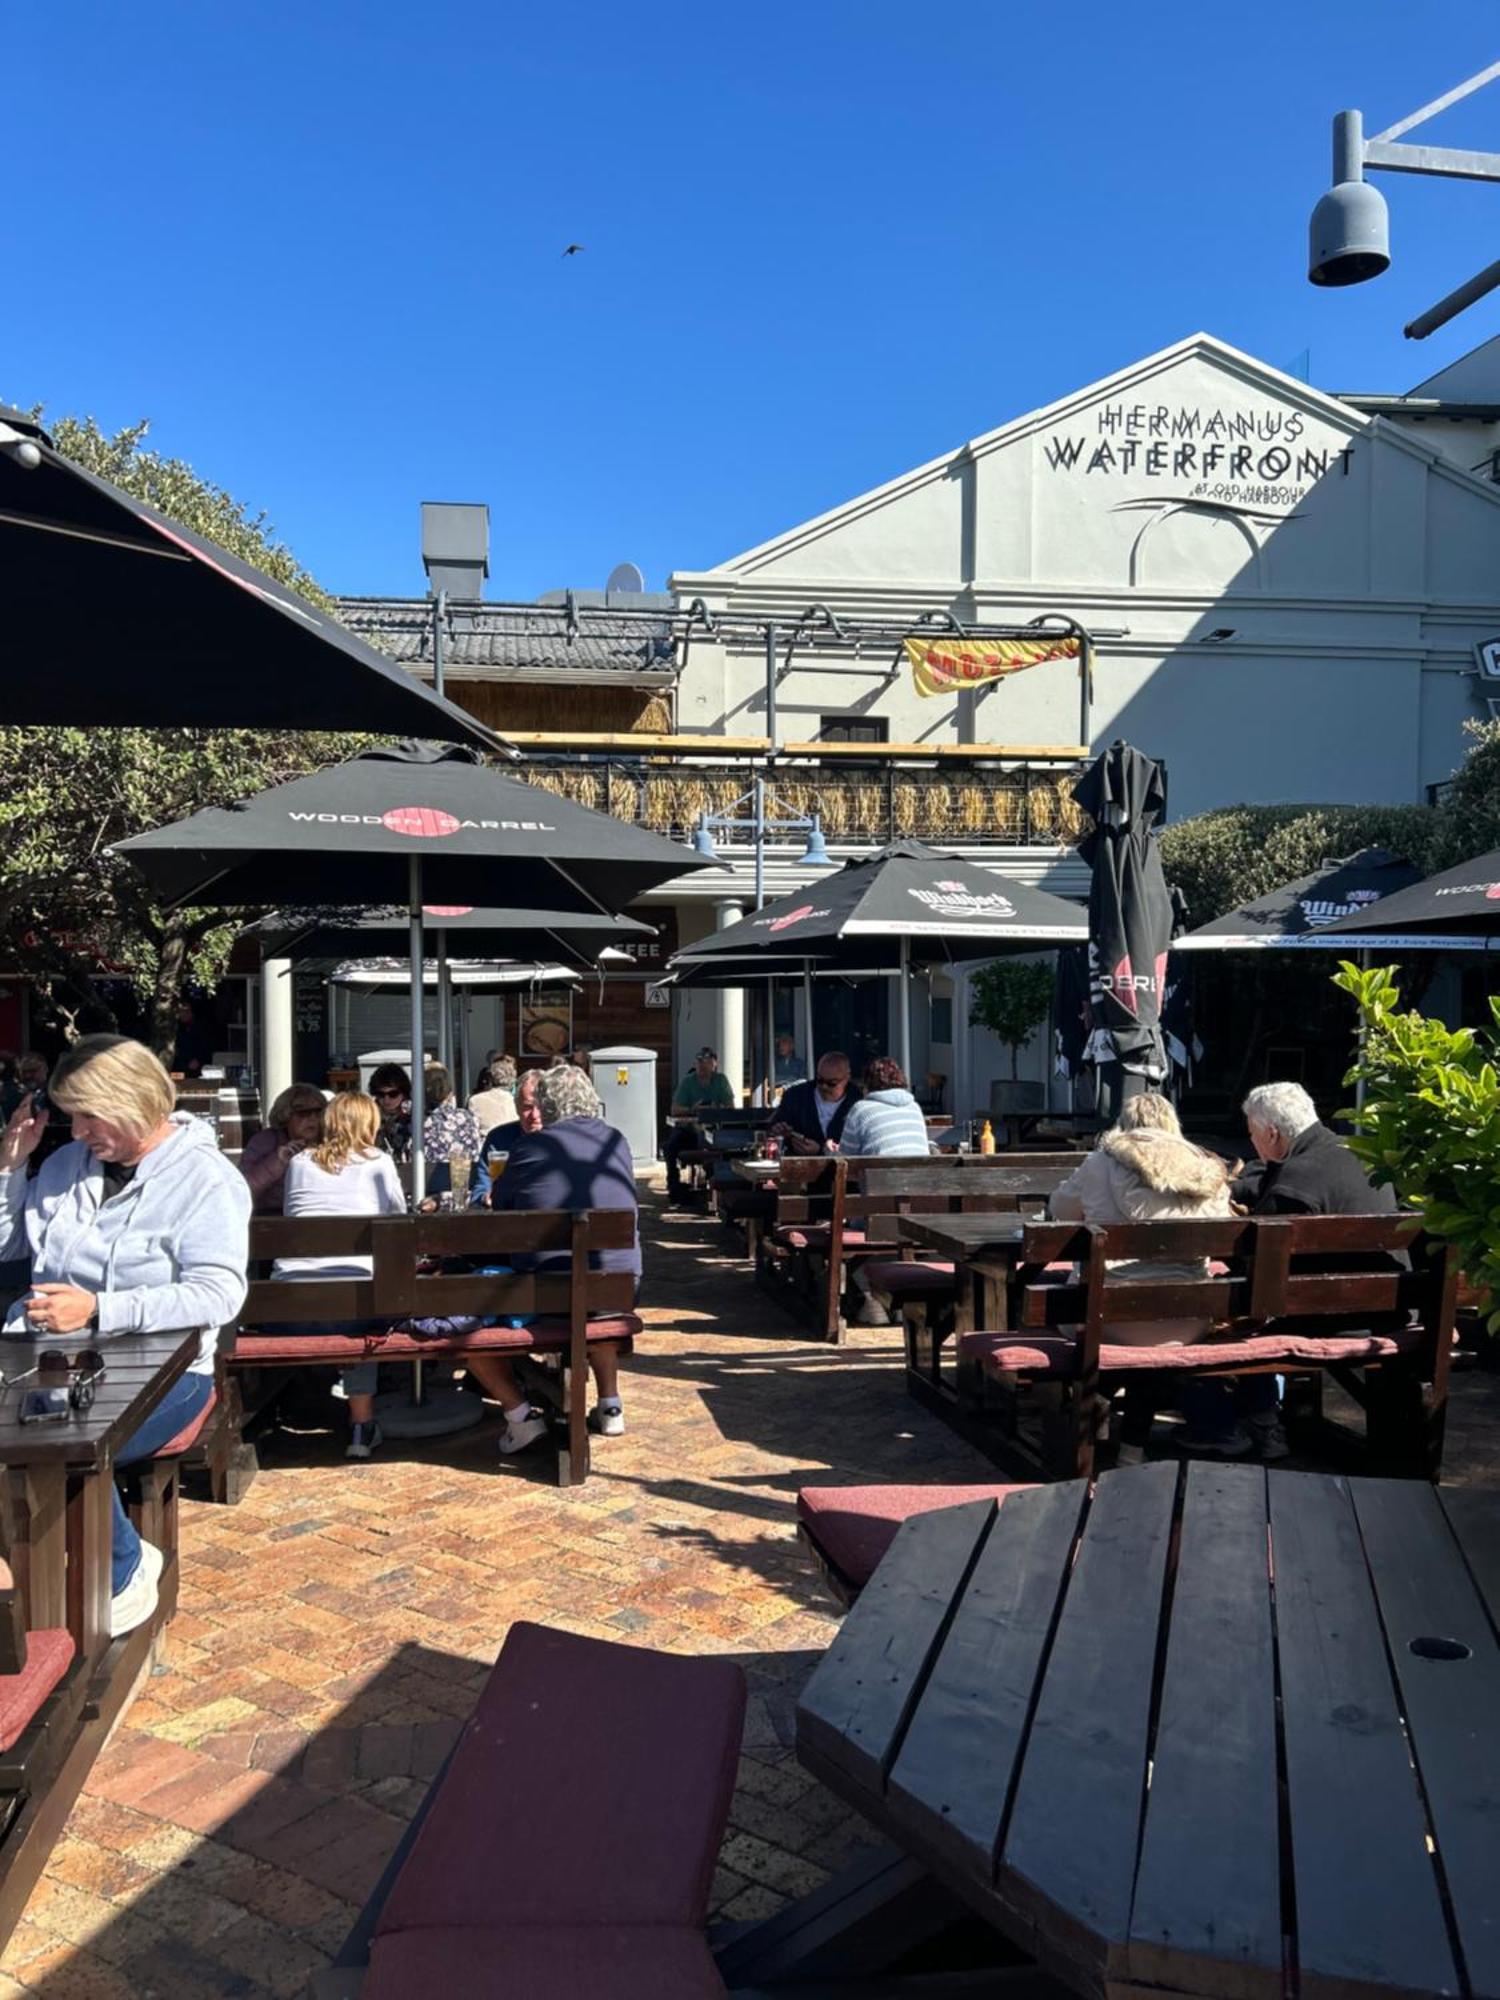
<point>1303,1168</point>
<point>575,1161</point>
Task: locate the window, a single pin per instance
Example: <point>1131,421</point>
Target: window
<point>853,729</point>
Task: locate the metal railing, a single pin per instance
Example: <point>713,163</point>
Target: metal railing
<point>1027,803</point>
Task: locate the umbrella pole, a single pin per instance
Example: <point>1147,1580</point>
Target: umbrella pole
<point>903,1019</point>
<point>418,1093</point>
<point>445,1005</point>
<point>809,1054</point>
<point>1361,1038</point>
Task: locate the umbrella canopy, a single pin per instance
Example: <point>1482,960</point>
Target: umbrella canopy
<point>908,895</point>
<point>1462,900</point>
<point>1304,915</point>
<point>351,834</point>
<point>116,615</point>
<point>1130,909</point>
<point>575,936</point>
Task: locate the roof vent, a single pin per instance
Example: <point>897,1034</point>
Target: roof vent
<point>455,547</point>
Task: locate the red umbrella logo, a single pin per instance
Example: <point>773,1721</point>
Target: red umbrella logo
<point>420,822</point>
<point>447,909</point>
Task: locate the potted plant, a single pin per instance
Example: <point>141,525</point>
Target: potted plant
<point>1012,998</point>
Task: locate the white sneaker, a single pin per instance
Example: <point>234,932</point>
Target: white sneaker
<point>517,1436</point>
<point>607,1423</point>
<point>363,1439</point>
<point>872,1313</point>
<point>135,1603</point>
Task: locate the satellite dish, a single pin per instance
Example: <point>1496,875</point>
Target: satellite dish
<point>625,577</point>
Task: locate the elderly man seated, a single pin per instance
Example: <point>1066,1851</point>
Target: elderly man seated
<point>576,1161</point>
<point>704,1087</point>
<point>810,1117</point>
<point>1301,1168</point>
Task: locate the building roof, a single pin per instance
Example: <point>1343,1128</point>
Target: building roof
<point>523,642</point>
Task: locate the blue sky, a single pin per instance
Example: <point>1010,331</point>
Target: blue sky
<point>319,245</point>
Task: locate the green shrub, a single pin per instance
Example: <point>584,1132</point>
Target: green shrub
<point>1430,1123</point>
<point>1012,998</point>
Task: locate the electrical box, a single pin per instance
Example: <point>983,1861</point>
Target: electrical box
<point>626,1082</point>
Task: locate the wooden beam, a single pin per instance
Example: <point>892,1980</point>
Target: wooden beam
<point>1061,753</point>
<point>647,741</point>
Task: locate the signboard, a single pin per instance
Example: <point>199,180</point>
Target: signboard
<point>546,1024</point>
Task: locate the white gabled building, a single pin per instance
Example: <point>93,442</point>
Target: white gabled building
<point>1287,590</point>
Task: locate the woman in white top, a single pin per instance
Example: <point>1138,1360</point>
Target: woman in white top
<point>345,1174</point>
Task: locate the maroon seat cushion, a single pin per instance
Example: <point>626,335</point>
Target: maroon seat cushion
<point>49,1654</point>
<point>1055,1354</point>
<point>590,1787</point>
<point>814,1236</point>
<point>907,1279</point>
<point>190,1433</point>
<point>545,1333</point>
<point>853,1526</point>
<point>588,1962</point>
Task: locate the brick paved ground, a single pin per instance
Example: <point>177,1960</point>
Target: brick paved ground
<point>335,1626</point>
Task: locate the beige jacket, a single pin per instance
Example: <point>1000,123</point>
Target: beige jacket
<point>1146,1176</point>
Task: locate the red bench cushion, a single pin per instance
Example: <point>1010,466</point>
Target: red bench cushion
<point>908,1279</point>
<point>590,1787</point>
<point>814,1236</point>
<point>546,1334</point>
<point>49,1654</point>
<point>591,1962</point>
<point>190,1433</point>
<point>1054,1354</point>
<point>853,1526</point>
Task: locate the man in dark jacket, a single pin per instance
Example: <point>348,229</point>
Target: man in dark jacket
<point>1303,1168</point>
<point>576,1161</point>
<point>812,1113</point>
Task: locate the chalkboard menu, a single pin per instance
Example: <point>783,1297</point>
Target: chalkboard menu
<point>309,1026</point>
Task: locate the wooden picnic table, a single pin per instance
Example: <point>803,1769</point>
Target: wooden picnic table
<point>1196,1731</point>
<point>60,1474</point>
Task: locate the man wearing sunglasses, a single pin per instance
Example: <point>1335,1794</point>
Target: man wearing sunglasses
<point>810,1117</point>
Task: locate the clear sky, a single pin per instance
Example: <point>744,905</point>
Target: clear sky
<point>319,242</point>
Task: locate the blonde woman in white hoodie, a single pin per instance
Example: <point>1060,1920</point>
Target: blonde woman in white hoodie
<point>1143,1170</point>
<point>140,1225</point>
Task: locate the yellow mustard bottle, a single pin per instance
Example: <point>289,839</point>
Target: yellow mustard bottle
<point>987,1137</point>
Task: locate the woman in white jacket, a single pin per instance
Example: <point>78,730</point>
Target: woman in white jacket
<point>140,1225</point>
<point>1143,1170</point>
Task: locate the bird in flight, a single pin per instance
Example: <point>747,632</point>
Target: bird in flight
<point>572,250</point>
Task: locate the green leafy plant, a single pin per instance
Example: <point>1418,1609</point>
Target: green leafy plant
<point>1430,1122</point>
<point>1012,999</point>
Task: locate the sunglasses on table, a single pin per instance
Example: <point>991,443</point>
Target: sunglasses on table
<point>65,1385</point>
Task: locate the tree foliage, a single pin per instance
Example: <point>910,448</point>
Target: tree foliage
<point>1430,1124</point>
<point>1012,998</point>
<point>70,913</point>
<point>1222,859</point>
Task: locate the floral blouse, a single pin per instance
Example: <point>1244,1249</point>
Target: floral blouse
<point>450,1129</point>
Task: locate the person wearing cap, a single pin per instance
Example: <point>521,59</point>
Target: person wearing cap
<point>703,1085</point>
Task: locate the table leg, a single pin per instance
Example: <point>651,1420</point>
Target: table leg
<point>40,1557</point>
<point>90,1533</point>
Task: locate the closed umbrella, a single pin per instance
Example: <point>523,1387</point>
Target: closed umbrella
<point>1130,919</point>
<point>115,615</point>
<point>408,823</point>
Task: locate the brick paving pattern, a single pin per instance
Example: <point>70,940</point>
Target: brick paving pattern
<point>334,1629</point>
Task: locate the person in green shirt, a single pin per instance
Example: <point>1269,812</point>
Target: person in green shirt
<point>703,1085</point>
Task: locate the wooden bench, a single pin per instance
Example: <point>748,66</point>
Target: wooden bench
<point>568,1845</point>
<point>569,1309</point>
<point>847,1529</point>
<point>808,1253</point>
<point>1303,1296</point>
<point>42,1700</point>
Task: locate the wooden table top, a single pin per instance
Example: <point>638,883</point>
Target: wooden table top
<point>966,1235</point>
<point>1211,1731</point>
<point>139,1368</point>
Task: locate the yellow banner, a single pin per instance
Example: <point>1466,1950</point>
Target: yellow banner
<point>943,666</point>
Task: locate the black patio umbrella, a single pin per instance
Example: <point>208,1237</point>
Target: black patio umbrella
<point>115,615</point>
<point>1306,915</point>
<point>909,902</point>
<point>409,822</point>
<point>1130,917</point>
<point>1462,906</point>
<point>571,936</point>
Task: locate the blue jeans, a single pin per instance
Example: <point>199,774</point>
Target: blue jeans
<point>182,1402</point>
